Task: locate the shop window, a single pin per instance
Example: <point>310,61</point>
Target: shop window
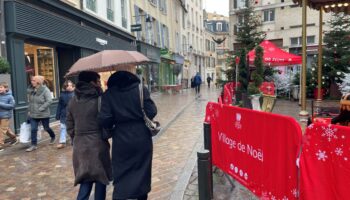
<point>40,60</point>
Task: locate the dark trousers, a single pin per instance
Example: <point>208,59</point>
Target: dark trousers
<point>144,197</point>
<point>198,89</point>
<point>208,84</point>
<point>34,128</point>
<point>85,190</point>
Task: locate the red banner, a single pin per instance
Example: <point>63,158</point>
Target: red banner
<point>258,149</point>
<point>325,163</point>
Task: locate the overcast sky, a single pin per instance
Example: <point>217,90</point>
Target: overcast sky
<point>219,6</point>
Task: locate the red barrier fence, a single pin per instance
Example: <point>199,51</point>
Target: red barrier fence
<point>325,163</point>
<point>258,149</point>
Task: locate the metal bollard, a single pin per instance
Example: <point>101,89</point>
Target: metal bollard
<point>204,175</point>
<point>207,146</point>
<point>207,136</point>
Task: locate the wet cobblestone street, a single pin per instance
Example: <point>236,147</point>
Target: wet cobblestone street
<point>47,173</point>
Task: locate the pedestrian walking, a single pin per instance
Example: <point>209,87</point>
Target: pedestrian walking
<point>208,81</point>
<point>91,157</point>
<point>7,103</point>
<point>344,116</point>
<point>66,94</point>
<point>192,82</point>
<point>132,141</point>
<point>40,100</point>
<point>197,82</point>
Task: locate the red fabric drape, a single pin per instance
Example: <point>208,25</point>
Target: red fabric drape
<point>325,163</point>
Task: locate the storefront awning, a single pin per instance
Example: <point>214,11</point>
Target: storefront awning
<point>167,55</point>
<point>179,59</point>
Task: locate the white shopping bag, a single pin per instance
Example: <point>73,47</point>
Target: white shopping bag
<point>40,130</point>
<point>25,133</point>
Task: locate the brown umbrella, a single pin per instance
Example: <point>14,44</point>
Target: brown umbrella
<point>108,60</point>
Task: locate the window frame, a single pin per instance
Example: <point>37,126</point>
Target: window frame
<point>269,15</point>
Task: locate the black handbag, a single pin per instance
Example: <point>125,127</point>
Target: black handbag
<point>152,125</point>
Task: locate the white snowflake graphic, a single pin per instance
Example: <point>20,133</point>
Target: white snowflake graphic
<point>338,151</point>
<point>273,198</point>
<point>285,198</point>
<point>329,132</point>
<point>295,192</point>
<point>321,155</point>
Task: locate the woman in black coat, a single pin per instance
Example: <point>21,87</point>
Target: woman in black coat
<point>132,147</point>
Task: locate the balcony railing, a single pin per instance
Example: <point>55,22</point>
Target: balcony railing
<point>110,14</point>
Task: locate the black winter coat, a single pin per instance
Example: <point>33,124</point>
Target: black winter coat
<point>132,147</point>
<point>91,156</point>
<point>61,112</point>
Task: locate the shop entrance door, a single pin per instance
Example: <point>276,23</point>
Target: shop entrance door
<point>66,58</point>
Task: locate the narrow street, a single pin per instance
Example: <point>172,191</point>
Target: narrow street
<point>47,173</point>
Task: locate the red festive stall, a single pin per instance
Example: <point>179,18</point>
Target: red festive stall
<point>275,56</point>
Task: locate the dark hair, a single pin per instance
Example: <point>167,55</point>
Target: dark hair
<point>66,83</point>
<point>88,76</point>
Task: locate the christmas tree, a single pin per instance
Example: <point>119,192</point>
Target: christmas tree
<point>248,36</point>
<point>258,74</point>
<point>336,59</point>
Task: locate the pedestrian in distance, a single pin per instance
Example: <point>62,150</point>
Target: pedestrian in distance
<point>197,82</point>
<point>208,81</point>
<point>192,83</point>
<point>40,100</point>
<point>132,141</point>
<point>7,103</point>
<point>344,116</point>
<point>66,94</point>
<point>91,156</point>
